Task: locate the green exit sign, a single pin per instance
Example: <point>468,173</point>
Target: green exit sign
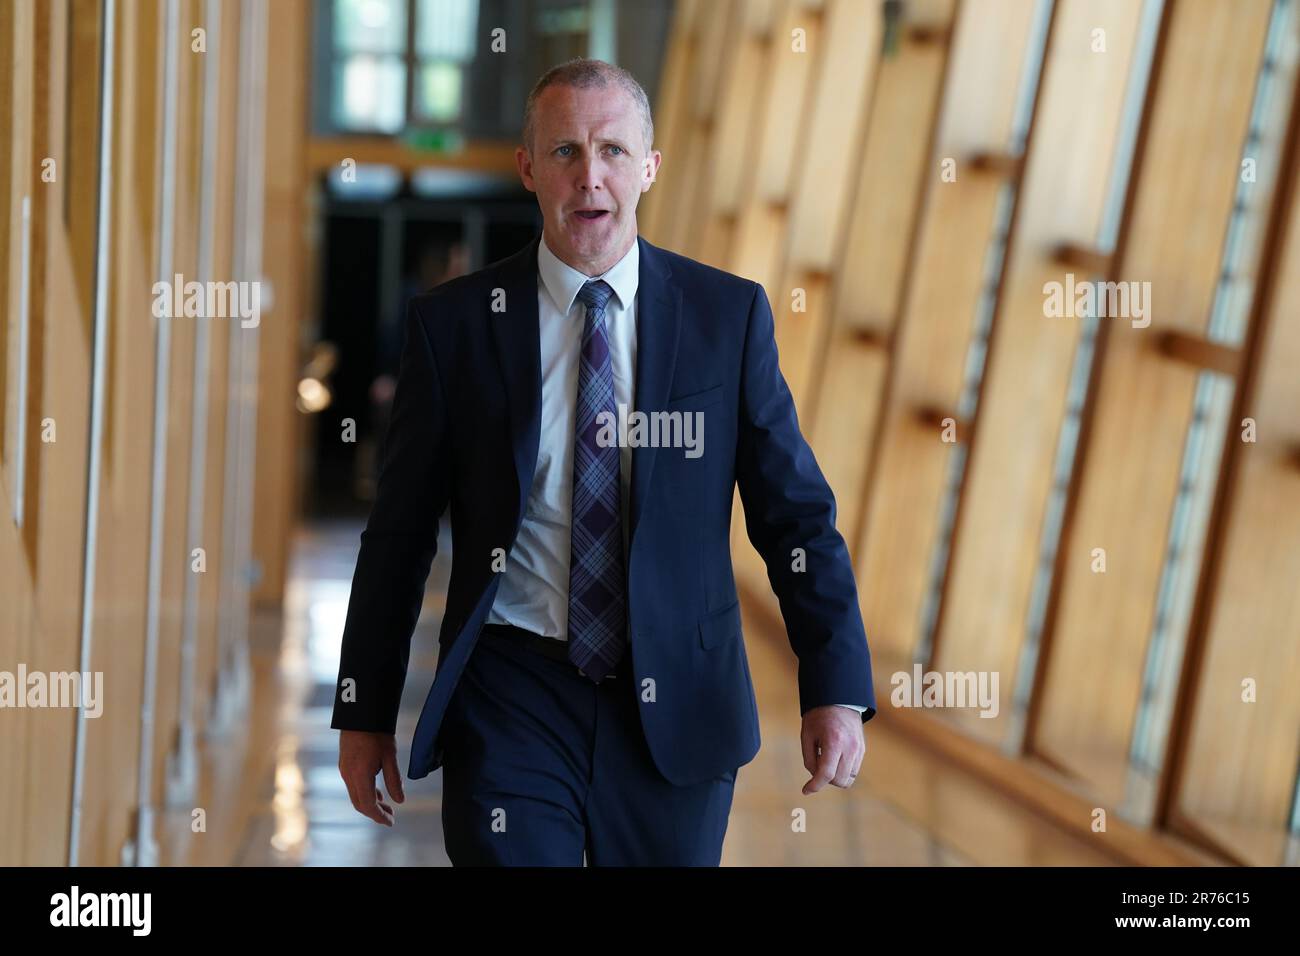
<point>434,140</point>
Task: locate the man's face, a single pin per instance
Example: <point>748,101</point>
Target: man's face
<point>588,167</point>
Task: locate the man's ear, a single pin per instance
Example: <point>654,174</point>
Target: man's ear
<point>524,162</point>
<point>654,159</point>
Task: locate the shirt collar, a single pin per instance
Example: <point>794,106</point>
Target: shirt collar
<point>564,282</point>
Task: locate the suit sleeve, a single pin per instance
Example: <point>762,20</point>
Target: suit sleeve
<point>790,512</point>
<point>398,544</point>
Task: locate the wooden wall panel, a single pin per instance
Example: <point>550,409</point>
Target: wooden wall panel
<point>279,423</point>
<point>122,559</point>
<point>1022,403</point>
<point>761,217</point>
<point>15,611</point>
<point>715,49</point>
<point>175,559</point>
<point>846,54</point>
<point>990,45</point>
<point>841,414</point>
<point>219,398</point>
<point>59,376</point>
<point>85,23</point>
<point>1234,754</point>
<point>669,107</point>
<point>37,231</point>
<point>18,613</point>
<point>20,26</point>
<point>50,98</point>
<point>894,165</point>
<point>9,113</point>
<point>851,381</point>
<point>727,160</point>
<point>786,104</point>
<point>1090,690</point>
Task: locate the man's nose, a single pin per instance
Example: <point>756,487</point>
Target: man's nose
<point>589,175</point>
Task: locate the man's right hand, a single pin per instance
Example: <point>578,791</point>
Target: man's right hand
<point>363,754</point>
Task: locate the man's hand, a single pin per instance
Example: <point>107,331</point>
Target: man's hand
<point>362,754</point>
<point>833,746</point>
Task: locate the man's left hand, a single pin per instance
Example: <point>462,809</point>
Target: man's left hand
<point>833,746</point>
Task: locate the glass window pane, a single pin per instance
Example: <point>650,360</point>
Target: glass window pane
<point>438,91</point>
<point>446,29</point>
<point>370,26</point>
<point>370,93</point>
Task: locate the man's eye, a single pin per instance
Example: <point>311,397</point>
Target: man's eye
<point>619,148</point>
<point>561,150</point>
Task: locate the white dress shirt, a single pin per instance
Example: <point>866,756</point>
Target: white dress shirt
<point>534,589</point>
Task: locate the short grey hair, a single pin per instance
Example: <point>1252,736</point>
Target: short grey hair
<point>585,74</point>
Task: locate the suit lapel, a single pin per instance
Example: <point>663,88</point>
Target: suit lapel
<point>517,337</point>
<point>658,324</point>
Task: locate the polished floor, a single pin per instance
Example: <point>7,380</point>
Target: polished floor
<point>907,809</point>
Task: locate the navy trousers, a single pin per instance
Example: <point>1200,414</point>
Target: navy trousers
<point>541,767</point>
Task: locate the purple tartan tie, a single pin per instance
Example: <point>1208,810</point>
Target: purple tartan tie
<point>597,583</point>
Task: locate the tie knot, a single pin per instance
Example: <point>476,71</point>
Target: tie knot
<point>595,294</point>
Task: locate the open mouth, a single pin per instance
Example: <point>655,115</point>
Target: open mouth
<point>591,215</point>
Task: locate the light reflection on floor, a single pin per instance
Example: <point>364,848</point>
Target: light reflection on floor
<point>308,819</point>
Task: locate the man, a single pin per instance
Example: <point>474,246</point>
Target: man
<point>592,694</point>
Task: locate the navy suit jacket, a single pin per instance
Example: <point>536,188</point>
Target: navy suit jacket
<point>464,433</point>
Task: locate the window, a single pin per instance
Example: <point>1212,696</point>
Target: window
<point>394,64</point>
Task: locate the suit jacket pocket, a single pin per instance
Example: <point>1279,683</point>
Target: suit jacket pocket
<point>718,627</point>
<point>696,400</point>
